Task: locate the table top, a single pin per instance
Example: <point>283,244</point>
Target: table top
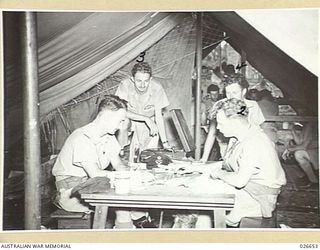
<point>188,191</point>
<point>180,194</point>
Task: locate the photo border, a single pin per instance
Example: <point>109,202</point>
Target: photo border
<point>152,236</point>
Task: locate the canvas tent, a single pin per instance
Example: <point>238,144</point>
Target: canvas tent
<point>76,51</point>
<point>80,52</point>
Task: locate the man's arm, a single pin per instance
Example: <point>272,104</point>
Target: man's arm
<point>203,114</point>
<point>237,179</point>
<point>141,118</point>
<point>303,140</point>
<point>117,163</point>
<point>161,128</point>
<point>209,141</point>
<point>256,116</point>
<point>93,170</point>
<point>248,164</point>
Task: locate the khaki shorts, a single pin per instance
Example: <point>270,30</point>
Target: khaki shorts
<point>265,196</point>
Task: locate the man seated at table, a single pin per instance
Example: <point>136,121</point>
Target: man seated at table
<point>251,165</point>
<point>87,152</point>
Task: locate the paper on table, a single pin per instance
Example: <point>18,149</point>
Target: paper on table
<point>205,185</point>
<point>196,185</point>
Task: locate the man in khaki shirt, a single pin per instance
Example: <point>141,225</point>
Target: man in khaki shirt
<point>252,165</point>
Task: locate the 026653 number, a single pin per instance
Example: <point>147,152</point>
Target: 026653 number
<point>309,245</point>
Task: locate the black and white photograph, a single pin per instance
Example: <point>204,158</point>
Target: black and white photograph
<point>160,120</point>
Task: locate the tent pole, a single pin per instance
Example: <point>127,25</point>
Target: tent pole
<point>32,160</point>
<point>243,60</point>
<point>198,86</point>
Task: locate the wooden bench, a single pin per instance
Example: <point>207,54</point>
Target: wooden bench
<point>258,222</point>
<point>72,220</point>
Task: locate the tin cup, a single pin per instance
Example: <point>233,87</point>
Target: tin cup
<point>285,125</point>
<point>122,182</point>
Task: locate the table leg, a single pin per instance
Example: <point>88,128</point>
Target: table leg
<point>219,218</point>
<point>161,219</point>
<point>100,217</point>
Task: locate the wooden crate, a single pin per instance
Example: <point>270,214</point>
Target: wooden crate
<point>72,220</point>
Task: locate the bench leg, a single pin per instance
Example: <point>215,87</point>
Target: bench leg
<point>100,217</point>
<point>219,218</point>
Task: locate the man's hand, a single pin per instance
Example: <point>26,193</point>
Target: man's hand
<point>166,145</point>
<point>152,127</point>
<point>111,175</point>
<point>202,160</point>
<point>216,173</point>
<point>286,154</point>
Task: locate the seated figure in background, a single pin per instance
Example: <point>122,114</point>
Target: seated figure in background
<point>253,94</point>
<point>304,148</point>
<point>213,96</point>
<point>251,165</point>
<point>267,104</point>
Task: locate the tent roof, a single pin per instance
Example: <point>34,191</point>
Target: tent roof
<point>297,35</point>
<point>295,32</point>
<point>77,50</point>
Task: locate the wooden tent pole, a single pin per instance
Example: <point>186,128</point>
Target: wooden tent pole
<point>243,60</point>
<point>198,86</point>
<point>32,158</point>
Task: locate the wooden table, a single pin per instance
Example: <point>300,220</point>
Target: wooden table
<point>180,198</point>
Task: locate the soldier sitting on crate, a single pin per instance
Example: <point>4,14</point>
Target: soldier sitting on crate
<point>86,154</point>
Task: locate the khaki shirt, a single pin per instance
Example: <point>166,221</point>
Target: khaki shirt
<point>143,104</point>
<point>255,151</point>
<point>85,145</point>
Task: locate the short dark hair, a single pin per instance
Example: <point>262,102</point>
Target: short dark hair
<point>143,67</point>
<point>253,94</point>
<point>232,108</point>
<point>112,102</point>
<point>212,87</point>
<point>265,94</point>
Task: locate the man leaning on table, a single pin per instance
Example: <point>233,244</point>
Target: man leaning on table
<point>86,154</point>
<point>252,165</point>
<point>146,100</point>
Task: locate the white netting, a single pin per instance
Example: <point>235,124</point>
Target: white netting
<point>160,54</point>
<point>172,61</point>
